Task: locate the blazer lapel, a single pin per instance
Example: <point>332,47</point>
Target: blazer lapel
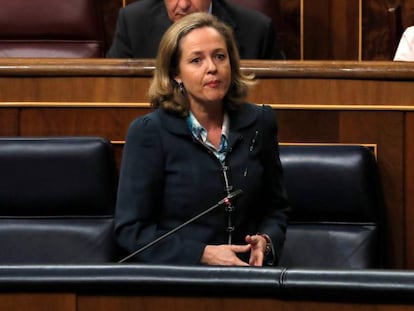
<point>241,119</point>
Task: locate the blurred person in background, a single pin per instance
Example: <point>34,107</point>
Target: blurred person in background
<point>405,50</point>
<point>141,24</point>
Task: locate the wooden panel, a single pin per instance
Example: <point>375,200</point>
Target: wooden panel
<point>125,303</point>
<point>381,27</point>
<point>308,126</point>
<point>76,89</point>
<point>289,28</point>
<point>345,29</point>
<point>331,92</point>
<point>111,123</point>
<point>270,91</point>
<point>71,302</point>
<point>129,303</point>
<point>386,129</point>
<point>316,26</point>
<point>38,302</point>
<point>326,83</point>
<point>409,189</point>
<point>331,29</point>
<point>407,13</point>
<point>9,120</point>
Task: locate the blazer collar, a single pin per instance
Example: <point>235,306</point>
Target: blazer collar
<point>241,118</point>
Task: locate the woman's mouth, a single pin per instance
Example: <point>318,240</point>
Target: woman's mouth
<point>214,83</point>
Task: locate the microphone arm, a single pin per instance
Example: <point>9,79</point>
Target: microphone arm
<point>226,201</point>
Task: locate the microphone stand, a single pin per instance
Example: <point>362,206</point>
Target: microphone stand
<point>226,201</point>
<point>229,207</point>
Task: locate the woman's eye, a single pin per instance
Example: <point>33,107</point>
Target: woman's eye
<point>221,56</point>
<point>196,60</point>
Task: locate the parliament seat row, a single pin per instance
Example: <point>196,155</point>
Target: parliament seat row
<point>58,194</point>
<point>57,200</point>
<point>54,29</point>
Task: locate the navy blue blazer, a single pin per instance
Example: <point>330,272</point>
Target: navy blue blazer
<point>167,177</point>
<point>141,24</point>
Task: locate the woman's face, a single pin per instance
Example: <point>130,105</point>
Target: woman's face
<point>204,66</point>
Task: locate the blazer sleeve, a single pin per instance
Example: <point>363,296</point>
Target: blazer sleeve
<point>140,199</point>
<point>121,45</point>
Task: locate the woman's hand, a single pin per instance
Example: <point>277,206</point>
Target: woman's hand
<point>258,247</point>
<point>224,255</point>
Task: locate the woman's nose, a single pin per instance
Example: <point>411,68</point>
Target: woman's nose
<point>211,65</point>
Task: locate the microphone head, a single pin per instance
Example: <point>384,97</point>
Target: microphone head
<point>234,194</point>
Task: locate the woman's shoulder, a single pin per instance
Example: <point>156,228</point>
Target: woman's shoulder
<point>264,114</point>
<point>249,113</point>
<point>144,130</point>
<point>160,121</point>
<point>256,109</point>
<point>147,121</point>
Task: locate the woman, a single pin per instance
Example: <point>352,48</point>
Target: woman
<point>201,143</point>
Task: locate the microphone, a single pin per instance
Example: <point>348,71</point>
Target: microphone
<point>226,201</point>
<point>231,196</point>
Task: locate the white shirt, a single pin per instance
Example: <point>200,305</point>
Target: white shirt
<point>405,50</point>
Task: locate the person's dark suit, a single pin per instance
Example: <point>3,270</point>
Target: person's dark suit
<point>141,25</point>
<point>167,177</point>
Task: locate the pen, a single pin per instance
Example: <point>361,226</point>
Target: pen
<point>252,144</point>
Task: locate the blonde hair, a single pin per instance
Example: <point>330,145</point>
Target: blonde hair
<point>164,92</point>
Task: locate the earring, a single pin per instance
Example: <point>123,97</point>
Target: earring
<point>181,87</point>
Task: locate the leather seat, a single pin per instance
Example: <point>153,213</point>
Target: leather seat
<point>41,28</point>
<point>337,207</point>
<point>57,199</point>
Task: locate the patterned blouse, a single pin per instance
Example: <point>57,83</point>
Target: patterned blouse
<point>200,133</point>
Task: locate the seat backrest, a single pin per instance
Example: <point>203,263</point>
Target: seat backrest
<point>337,207</point>
<point>42,28</point>
<point>57,199</point>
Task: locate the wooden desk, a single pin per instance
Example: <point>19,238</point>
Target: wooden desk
<point>74,302</point>
<point>116,287</point>
<point>330,102</point>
